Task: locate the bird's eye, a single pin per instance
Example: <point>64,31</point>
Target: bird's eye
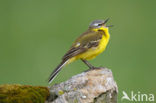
<point>99,24</point>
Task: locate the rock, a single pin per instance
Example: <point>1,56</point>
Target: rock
<point>92,86</point>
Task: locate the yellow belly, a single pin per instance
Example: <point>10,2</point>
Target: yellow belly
<point>92,52</point>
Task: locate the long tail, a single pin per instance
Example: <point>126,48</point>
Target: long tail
<point>56,71</point>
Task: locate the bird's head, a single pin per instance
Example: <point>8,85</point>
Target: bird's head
<point>99,24</point>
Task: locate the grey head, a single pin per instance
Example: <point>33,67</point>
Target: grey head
<point>98,23</point>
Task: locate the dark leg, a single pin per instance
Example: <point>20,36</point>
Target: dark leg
<point>88,64</point>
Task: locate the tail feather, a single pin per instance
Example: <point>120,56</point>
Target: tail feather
<point>56,71</point>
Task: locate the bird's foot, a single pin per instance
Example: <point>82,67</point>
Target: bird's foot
<point>93,68</point>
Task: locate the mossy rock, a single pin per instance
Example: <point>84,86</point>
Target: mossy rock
<point>23,94</point>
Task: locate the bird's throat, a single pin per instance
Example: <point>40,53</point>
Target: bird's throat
<point>104,30</point>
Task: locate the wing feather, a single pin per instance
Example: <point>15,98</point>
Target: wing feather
<point>87,40</point>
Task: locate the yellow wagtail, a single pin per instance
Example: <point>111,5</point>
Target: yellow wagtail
<point>87,46</point>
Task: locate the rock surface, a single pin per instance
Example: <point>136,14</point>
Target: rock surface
<point>93,86</point>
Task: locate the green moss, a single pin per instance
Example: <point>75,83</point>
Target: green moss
<point>23,94</point>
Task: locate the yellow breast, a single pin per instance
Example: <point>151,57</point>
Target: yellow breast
<point>93,52</point>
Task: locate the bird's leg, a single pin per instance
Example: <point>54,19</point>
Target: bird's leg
<point>88,64</point>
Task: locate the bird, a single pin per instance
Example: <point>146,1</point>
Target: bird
<point>86,47</point>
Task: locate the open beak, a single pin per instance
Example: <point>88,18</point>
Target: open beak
<point>109,25</point>
<point>106,22</point>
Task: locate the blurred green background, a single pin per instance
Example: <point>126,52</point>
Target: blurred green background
<point>35,34</point>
